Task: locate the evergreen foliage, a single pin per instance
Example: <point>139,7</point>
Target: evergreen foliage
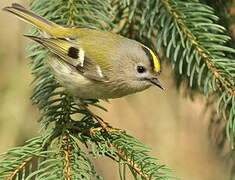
<point>191,39</point>
<point>194,41</point>
<point>71,135</point>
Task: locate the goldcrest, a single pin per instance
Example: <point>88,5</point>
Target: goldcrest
<point>91,63</point>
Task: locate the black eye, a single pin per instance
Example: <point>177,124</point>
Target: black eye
<point>141,69</point>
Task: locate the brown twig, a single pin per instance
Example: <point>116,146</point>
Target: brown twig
<point>129,161</point>
<point>67,155</point>
<point>19,168</point>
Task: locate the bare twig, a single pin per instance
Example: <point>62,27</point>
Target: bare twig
<point>19,168</point>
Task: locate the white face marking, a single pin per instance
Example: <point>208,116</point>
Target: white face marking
<point>81,56</point>
<point>99,71</point>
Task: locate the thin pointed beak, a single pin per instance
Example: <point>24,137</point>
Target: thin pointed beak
<point>157,83</point>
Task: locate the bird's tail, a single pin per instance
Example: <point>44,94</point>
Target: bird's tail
<point>37,21</point>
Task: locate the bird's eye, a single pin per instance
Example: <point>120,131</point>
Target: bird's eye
<point>141,69</point>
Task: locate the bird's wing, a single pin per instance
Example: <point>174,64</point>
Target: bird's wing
<point>70,52</point>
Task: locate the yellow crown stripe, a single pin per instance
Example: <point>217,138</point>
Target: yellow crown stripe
<point>156,61</point>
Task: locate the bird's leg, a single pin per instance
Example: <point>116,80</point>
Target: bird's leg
<point>103,125</point>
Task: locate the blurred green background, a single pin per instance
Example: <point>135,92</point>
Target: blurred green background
<point>173,126</point>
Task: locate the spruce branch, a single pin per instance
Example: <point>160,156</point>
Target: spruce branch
<point>207,41</point>
<point>207,57</point>
<point>195,44</point>
<point>19,162</point>
<point>127,150</point>
<point>19,169</point>
<point>67,149</point>
<point>212,51</point>
<point>200,50</point>
<point>135,155</point>
<point>71,133</point>
<point>192,40</point>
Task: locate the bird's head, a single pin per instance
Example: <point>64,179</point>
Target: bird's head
<point>139,67</point>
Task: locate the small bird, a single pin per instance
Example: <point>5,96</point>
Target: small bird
<point>93,64</point>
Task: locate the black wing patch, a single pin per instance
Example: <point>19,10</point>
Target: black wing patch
<point>73,52</point>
